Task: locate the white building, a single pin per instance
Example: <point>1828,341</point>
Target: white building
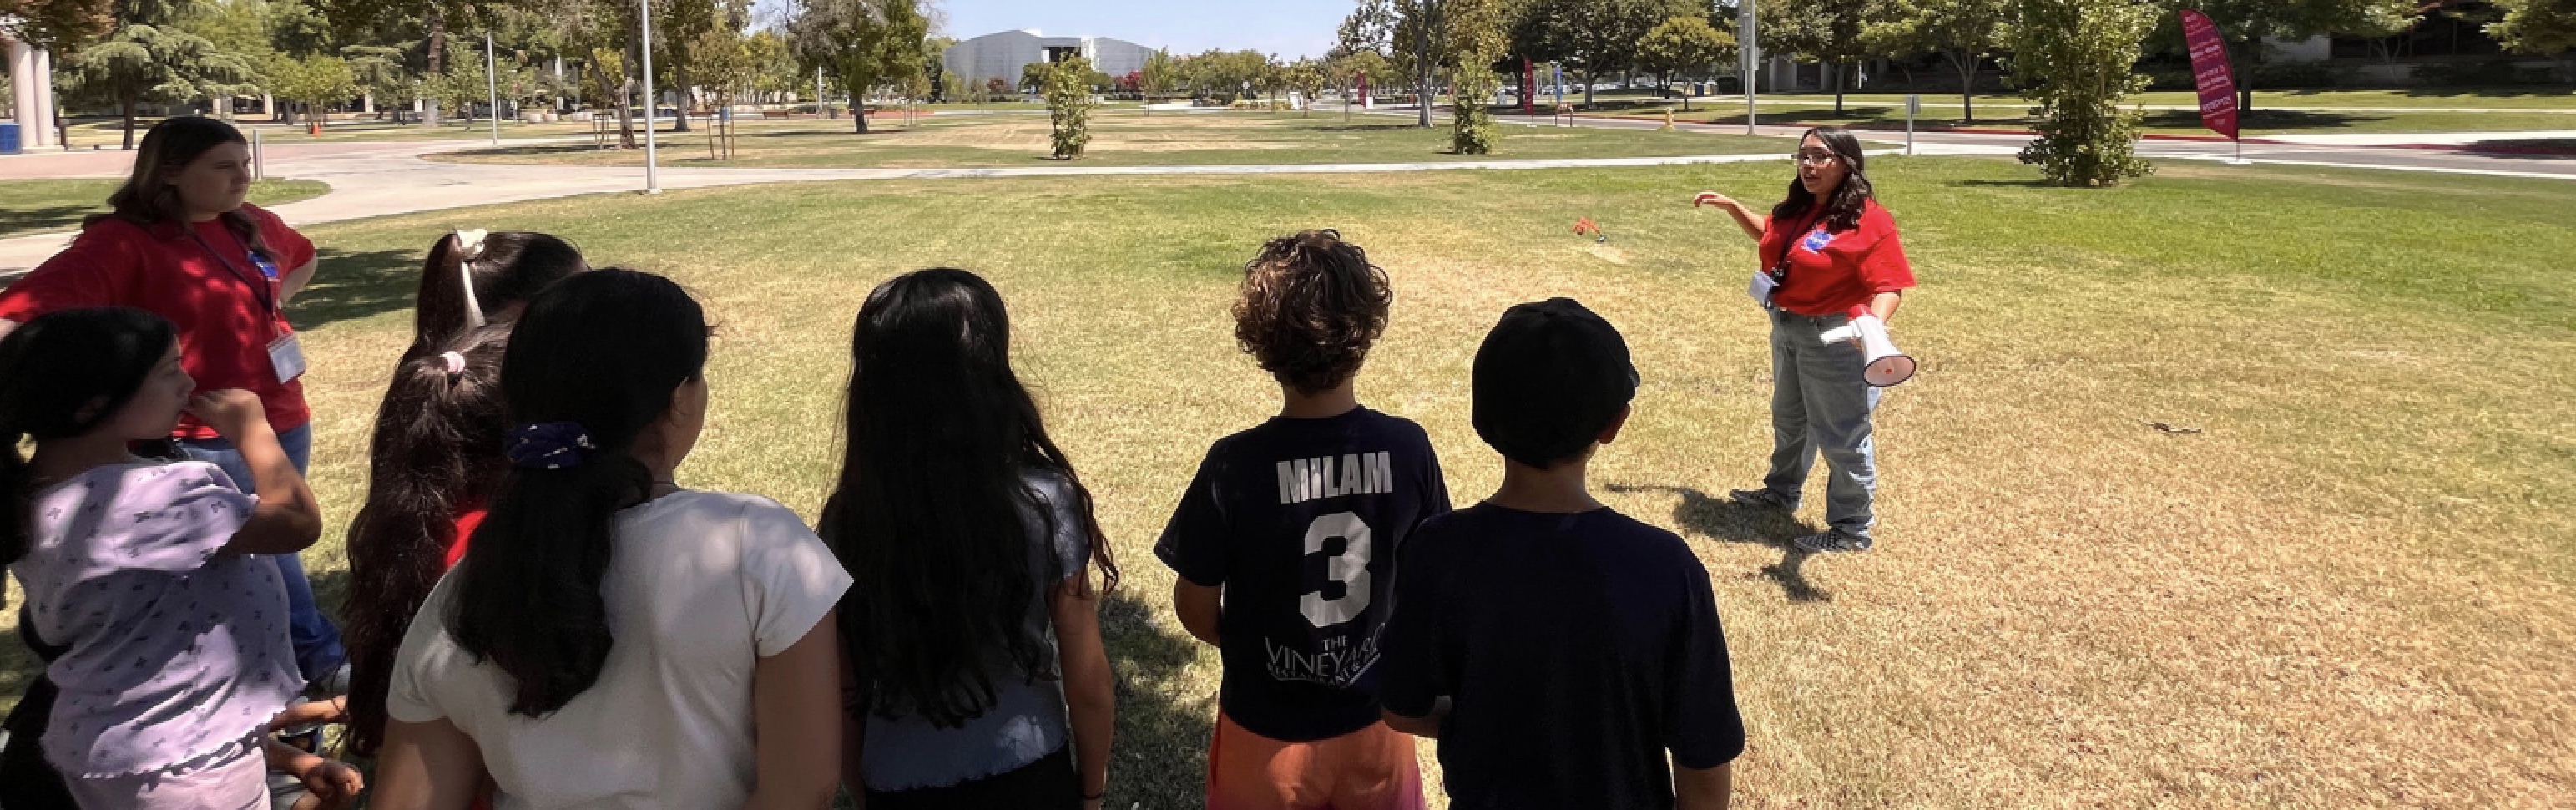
<point>1002,55</point>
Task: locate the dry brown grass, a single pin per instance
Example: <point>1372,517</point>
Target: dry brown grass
<point>2352,590</point>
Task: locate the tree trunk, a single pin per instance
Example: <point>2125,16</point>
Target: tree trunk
<point>1967,86</point>
<point>1589,76</point>
<point>130,101</point>
<point>680,75</point>
<point>1838,72</point>
<point>858,105</point>
<point>626,94</point>
<point>437,61</point>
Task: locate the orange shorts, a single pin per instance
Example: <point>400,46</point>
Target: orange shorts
<point>1369,769</point>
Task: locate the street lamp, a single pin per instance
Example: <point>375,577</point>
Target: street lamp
<point>1752,52</point>
<point>492,82</point>
<point>652,172</point>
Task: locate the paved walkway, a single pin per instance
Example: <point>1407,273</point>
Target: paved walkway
<point>384,179</point>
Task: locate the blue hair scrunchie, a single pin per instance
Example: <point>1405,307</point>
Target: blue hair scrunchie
<point>550,446</point>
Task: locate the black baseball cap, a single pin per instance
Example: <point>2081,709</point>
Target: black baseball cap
<point>1550,376</point>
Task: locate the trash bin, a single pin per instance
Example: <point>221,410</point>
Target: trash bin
<point>9,142</point>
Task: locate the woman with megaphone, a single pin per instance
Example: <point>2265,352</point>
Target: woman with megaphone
<point>1830,259</point>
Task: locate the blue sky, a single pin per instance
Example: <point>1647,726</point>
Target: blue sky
<point>1288,28</point>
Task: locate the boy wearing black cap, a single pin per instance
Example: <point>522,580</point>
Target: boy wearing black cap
<point>1285,545</point>
<point>1558,650</point>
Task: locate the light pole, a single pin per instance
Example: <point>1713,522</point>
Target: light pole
<point>492,80</point>
<point>1752,50</point>
<point>652,150</point>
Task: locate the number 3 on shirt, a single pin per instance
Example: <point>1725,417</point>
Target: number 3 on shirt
<point>1349,568</point>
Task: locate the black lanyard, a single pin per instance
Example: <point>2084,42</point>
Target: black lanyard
<point>258,282</point>
<point>1789,250</point>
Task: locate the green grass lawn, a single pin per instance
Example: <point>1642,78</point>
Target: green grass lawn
<point>1126,139</point>
<point>2354,587</point>
<point>37,206</point>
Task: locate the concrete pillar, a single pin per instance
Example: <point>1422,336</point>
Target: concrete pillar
<point>32,91</point>
<point>22,90</point>
<point>268,105</point>
<point>367,103</point>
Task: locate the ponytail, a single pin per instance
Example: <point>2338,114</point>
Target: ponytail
<point>472,277</point>
<point>436,453</point>
<point>592,367</point>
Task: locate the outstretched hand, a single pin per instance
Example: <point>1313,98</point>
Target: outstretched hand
<point>1716,199</point>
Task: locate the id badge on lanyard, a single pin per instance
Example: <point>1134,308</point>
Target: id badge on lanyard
<point>286,353</point>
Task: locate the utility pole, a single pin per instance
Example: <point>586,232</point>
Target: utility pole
<point>492,80</point>
<point>1752,53</point>
<point>652,151</point>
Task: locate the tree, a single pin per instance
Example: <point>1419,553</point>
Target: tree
<point>62,25</point>
<point>2538,27</point>
<point>2076,59</point>
<point>1684,42</point>
<point>316,81</point>
<point>1595,37</point>
<point>367,21</point>
<point>2248,24</point>
<point>1475,40</point>
<point>1068,97</point>
<point>147,62</point>
<point>866,43</point>
<point>1827,32</point>
<point>1307,76</point>
<point>1158,77</point>
<point>1965,32</point>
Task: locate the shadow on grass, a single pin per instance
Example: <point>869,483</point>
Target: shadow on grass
<point>2031,183</point>
<point>2260,118</point>
<point>352,285</point>
<point>41,220</point>
<point>1160,757</point>
<point>1725,520</point>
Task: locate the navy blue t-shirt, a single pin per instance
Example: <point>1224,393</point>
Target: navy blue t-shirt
<point>1300,520</point>
<point>1575,649</point>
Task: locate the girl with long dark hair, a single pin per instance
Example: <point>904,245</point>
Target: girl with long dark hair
<point>145,578</point>
<point>1829,254</point>
<point>181,243</point>
<point>436,456</point>
<point>611,639</point>
<point>434,464</point>
<point>976,672</point>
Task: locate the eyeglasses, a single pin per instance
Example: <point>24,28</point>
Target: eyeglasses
<point>1816,157</point>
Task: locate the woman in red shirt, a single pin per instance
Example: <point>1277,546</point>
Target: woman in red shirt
<point>1829,253</point>
<point>181,243</point>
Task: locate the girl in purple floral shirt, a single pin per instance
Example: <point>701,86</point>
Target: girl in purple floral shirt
<point>145,570</point>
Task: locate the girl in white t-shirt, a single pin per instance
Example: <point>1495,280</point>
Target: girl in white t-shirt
<point>144,573</point>
<point>611,640</point>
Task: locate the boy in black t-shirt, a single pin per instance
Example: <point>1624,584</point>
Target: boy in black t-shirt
<point>1557,649</point>
<point>1286,540</point>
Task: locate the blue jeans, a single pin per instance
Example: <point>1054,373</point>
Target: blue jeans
<point>1820,403</point>
<point>317,643</point>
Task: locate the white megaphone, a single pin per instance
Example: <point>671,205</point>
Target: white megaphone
<point>1887,366</point>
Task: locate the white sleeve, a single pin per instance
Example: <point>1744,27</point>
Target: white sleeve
<point>406,699</point>
<point>790,578</point>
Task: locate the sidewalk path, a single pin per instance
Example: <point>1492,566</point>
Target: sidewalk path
<point>384,179</point>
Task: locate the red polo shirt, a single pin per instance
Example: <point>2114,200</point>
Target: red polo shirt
<point>1832,271</point>
<point>225,322</point>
